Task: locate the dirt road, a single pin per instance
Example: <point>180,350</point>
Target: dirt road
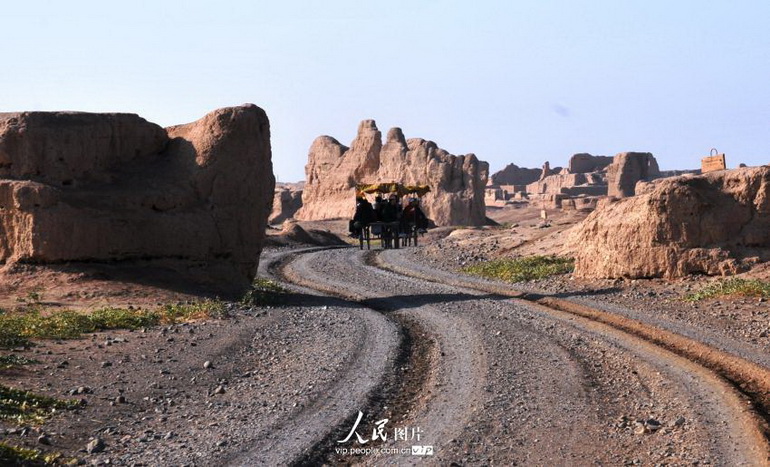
<point>365,365</point>
<point>509,382</point>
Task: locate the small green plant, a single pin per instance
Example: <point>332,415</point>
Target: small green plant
<point>732,287</point>
<point>35,296</point>
<point>522,269</point>
<point>11,361</point>
<point>14,455</point>
<point>10,338</point>
<point>23,406</point>
<point>264,292</point>
<point>169,314</point>
<point>17,328</point>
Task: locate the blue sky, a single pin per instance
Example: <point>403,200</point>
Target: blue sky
<point>511,81</point>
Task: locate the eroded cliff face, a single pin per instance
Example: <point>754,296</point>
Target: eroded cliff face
<point>333,170</point>
<point>717,223</point>
<point>114,187</point>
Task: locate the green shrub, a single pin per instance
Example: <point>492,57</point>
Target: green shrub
<point>521,269</point>
<point>23,406</point>
<point>17,328</point>
<point>264,292</point>
<point>13,455</point>
<point>10,361</point>
<point>169,314</point>
<point>732,287</point>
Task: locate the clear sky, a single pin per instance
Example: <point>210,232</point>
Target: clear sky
<point>511,81</point>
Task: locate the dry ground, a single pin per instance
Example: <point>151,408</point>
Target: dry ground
<point>149,397</point>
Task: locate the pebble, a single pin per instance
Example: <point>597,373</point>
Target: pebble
<point>95,445</point>
<point>208,364</point>
<point>80,390</point>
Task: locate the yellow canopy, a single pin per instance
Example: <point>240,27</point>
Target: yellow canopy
<point>393,187</point>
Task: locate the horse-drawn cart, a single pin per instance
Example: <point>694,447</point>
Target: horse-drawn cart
<point>387,221</point>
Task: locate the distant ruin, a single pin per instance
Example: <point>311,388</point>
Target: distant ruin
<point>514,175</point>
<point>286,202</point>
<point>627,169</point>
<point>580,185</point>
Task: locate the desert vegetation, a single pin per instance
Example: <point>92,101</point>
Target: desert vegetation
<point>521,269</point>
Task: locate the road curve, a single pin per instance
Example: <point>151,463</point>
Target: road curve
<point>295,437</point>
<point>451,389</point>
<point>513,382</point>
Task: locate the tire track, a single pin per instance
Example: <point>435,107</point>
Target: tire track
<point>452,393</point>
<point>298,436</point>
<point>453,378</point>
<point>747,382</point>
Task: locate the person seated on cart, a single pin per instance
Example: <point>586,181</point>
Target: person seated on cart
<point>390,216</point>
<point>378,204</point>
<point>413,216</point>
<point>363,216</point>
<point>391,211</point>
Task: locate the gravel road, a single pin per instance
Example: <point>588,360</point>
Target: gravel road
<point>476,377</point>
<point>518,383</point>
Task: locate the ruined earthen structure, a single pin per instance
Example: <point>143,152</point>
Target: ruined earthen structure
<point>562,188</point>
<point>717,223</point>
<point>547,171</point>
<point>626,169</point>
<point>515,175</point>
<point>286,202</point>
<point>113,187</point>
<point>585,163</point>
<point>333,170</point>
<point>570,184</point>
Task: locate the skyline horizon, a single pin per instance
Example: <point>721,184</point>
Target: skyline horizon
<point>493,170</point>
<point>511,82</point>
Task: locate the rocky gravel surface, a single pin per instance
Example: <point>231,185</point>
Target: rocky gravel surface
<point>740,325</point>
<point>550,389</point>
<point>488,381</point>
<point>202,393</point>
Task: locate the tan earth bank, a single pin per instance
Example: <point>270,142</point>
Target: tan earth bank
<point>109,209</point>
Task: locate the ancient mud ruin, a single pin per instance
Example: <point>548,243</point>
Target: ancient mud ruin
<point>82,187</point>
<point>333,170</point>
<point>716,223</point>
<point>580,185</point>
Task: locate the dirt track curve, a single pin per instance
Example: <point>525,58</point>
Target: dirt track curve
<point>482,378</point>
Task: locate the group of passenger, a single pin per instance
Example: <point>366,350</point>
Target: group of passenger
<point>390,212</point>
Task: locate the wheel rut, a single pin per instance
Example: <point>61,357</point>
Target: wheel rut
<point>748,381</point>
<point>452,375</point>
<point>442,383</point>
